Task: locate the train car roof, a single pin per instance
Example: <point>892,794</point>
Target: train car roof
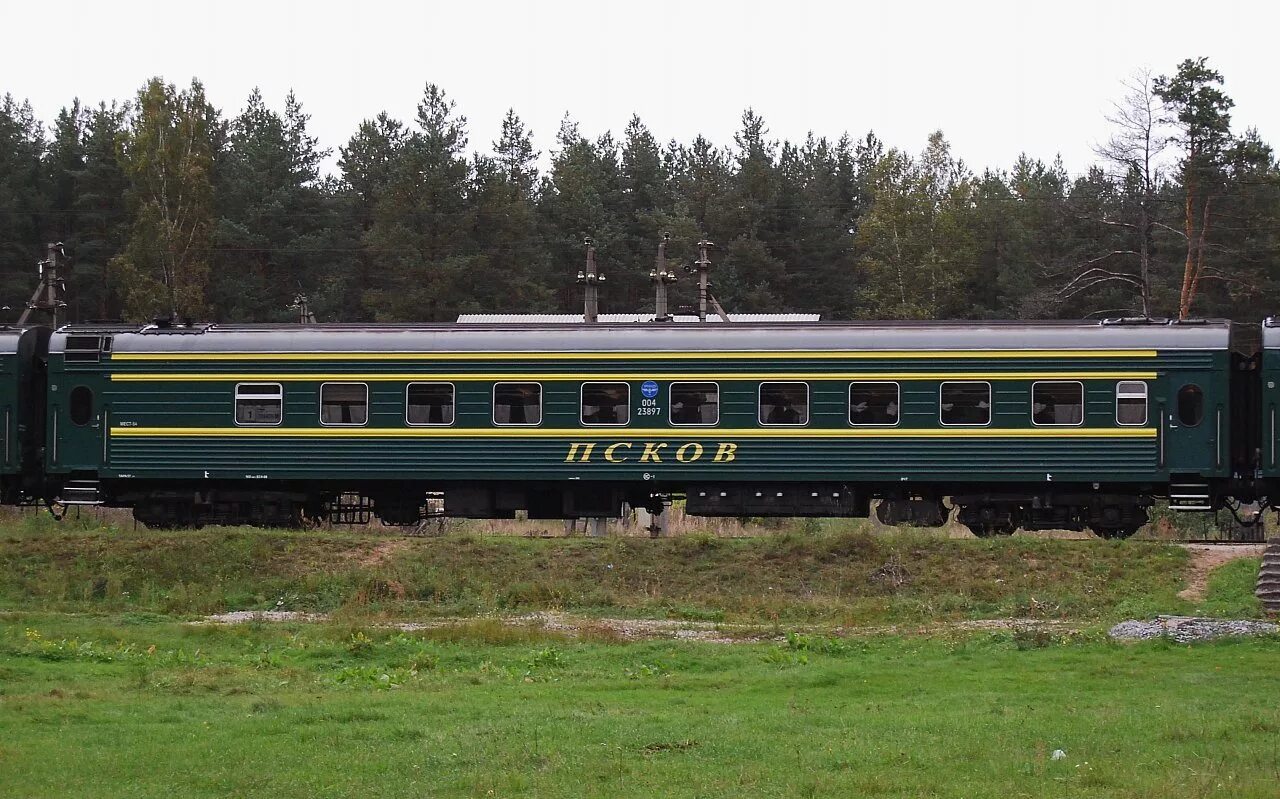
<point>1271,333</point>
<point>772,337</point>
<point>10,338</point>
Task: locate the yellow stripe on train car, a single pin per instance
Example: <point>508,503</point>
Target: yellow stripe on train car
<point>685,433</point>
<point>533,377</point>
<point>647,355</point>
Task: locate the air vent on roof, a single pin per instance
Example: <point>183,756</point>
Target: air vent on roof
<point>186,328</point>
<point>1136,320</point>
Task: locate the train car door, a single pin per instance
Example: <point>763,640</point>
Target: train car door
<point>1192,417</point>
<point>78,430</point>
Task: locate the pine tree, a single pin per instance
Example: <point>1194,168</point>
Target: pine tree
<point>507,274</point>
<point>272,213</point>
<point>1019,234</point>
<point>63,164</point>
<point>1244,278</point>
<point>1201,112</point>
<point>23,201</point>
<point>579,199</point>
<point>102,218</point>
<point>420,236</point>
<point>648,210</point>
<point>821,202</point>
<point>367,162</point>
<point>750,277</point>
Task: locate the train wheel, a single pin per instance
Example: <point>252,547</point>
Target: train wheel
<point>987,521</point>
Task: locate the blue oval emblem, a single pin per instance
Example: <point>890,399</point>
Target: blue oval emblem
<point>649,389</point>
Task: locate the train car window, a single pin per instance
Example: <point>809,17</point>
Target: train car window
<point>964,403</point>
<point>1057,403</point>
<point>874,403</point>
<point>784,403</point>
<point>344,404</point>
<point>1131,402</point>
<point>259,403</point>
<point>606,403</point>
<point>695,404</point>
<point>428,403</point>
<point>80,405</point>
<point>517,403</point>
<point>1190,405</point>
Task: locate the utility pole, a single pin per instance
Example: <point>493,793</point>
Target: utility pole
<point>590,281</point>
<point>703,265</point>
<point>705,298</point>
<point>302,305</point>
<point>661,277</point>
<point>50,295</point>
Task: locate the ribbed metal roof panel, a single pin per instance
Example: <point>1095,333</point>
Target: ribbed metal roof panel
<point>614,318</point>
<point>630,337</point>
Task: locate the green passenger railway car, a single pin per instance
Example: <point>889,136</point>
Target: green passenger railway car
<point>1043,425</point>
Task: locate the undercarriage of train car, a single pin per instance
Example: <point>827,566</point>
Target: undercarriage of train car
<point>1108,511</point>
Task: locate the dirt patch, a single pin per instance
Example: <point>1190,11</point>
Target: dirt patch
<point>1207,557</point>
<point>379,554</point>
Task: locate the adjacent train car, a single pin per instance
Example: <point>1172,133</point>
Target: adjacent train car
<point>1268,408</point>
<point>23,353</point>
<point>1040,425</point>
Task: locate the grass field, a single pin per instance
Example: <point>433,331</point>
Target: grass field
<point>125,706</point>
<point>107,690</point>
<point>853,578</point>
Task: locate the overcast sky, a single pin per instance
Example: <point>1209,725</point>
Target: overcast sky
<point>998,78</point>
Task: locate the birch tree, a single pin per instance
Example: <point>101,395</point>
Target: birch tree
<point>167,153</point>
<point>1133,156</point>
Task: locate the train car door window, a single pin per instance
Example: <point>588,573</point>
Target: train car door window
<point>784,403</point>
<point>344,404</point>
<point>429,403</point>
<point>1131,402</point>
<point>1057,403</point>
<point>964,403</point>
<point>517,403</point>
<point>1190,405</point>
<point>694,404</point>
<point>605,403</point>
<point>874,404</point>
<point>259,403</point>
<point>80,405</point>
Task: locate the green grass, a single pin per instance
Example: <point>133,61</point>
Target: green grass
<point>104,691</point>
<point>140,707</point>
<point>851,578</point>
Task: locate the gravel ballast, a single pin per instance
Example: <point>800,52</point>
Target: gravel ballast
<point>1187,629</point>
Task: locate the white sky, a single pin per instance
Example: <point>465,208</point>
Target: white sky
<point>998,78</point>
